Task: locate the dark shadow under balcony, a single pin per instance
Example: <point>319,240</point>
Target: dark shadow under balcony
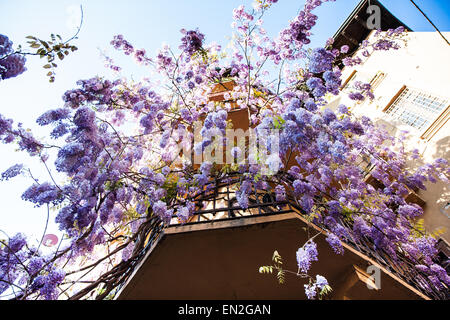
<point>217,254</point>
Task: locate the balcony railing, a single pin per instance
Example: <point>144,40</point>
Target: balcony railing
<point>218,203</point>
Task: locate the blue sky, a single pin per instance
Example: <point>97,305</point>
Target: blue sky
<point>147,24</point>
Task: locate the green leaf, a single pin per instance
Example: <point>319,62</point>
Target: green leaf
<point>277,258</point>
<point>278,122</point>
<point>266,269</point>
<point>325,290</point>
<point>45,44</point>
<point>280,277</point>
<point>47,66</point>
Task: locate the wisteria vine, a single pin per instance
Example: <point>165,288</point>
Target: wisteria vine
<point>123,187</point>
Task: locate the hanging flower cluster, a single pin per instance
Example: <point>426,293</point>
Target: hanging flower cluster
<point>123,186</point>
<point>11,64</point>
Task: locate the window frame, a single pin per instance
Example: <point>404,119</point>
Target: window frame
<point>429,131</point>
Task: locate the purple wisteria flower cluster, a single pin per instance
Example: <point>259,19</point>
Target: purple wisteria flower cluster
<point>120,145</point>
<point>299,31</point>
<point>11,64</point>
<point>119,43</point>
<point>192,41</point>
<point>306,255</point>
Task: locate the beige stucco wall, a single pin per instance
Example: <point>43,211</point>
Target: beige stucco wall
<point>424,63</point>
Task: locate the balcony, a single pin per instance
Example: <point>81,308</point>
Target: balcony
<point>217,252</point>
<point>216,255</point>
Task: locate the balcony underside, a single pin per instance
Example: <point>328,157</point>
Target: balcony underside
<point>220,260</point>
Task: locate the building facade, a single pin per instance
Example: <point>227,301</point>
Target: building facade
<point>412,95</point>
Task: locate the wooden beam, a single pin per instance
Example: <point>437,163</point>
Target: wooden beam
<point>351,39</point>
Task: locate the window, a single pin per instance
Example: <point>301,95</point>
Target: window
<point>417,108</point>
<point>377,79</point>
<point>446,209</point>
<point>364,78</point>
<point>437,125</point>
<point>347,82</point>
<point>443,256</point>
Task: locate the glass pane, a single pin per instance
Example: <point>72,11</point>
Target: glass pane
<point>417,109</point>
